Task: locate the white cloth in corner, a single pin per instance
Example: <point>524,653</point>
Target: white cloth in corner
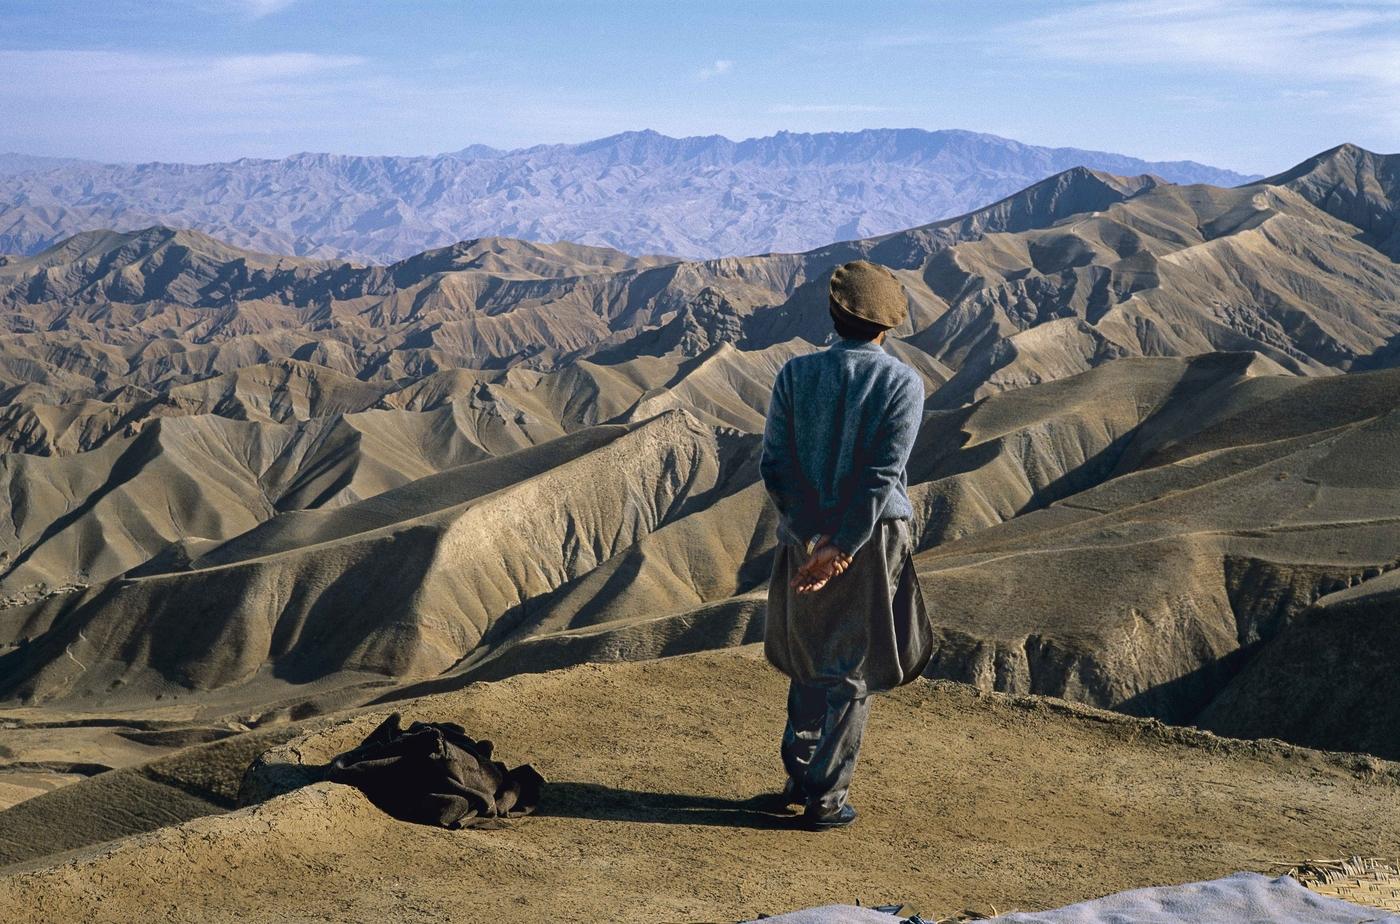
<point>1244,898</point>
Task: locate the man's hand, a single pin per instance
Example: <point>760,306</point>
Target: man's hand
<point>825,562</point>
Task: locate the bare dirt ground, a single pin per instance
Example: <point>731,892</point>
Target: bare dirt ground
<point>967,800</point>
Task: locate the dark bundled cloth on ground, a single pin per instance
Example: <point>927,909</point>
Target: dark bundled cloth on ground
<point>434,773</point>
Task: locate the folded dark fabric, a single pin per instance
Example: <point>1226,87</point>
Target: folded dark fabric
<point>434,773</point>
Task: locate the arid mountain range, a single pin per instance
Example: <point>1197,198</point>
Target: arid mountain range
<point>255,502</point>
<point>1068,273</point>
<point>1160,428</point>
<point>639,192</point>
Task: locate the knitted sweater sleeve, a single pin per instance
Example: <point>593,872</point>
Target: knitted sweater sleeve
<point>885,464</point>
<point>778,464</point>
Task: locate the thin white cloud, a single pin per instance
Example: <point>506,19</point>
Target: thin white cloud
<point>1316,40</point>
<point>1346,54</point>
<point>98,69</point>
<point>76,97</point>
<point>257,9</point>
<point>280,66</point>
<point>721,67</point>
<point>140,106</point>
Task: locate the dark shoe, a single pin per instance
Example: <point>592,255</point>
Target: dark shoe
<point>841,818</point>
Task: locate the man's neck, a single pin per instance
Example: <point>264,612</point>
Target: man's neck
<point>857,343</point>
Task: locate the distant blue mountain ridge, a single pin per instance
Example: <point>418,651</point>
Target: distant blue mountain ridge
<point>639,192</point>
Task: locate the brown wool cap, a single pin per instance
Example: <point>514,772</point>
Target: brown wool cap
<point>868,292</point>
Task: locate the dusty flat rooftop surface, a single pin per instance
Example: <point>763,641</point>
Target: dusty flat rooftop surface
<point>967,800</point>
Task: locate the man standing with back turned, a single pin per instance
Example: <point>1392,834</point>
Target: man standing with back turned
<point>845,615</point>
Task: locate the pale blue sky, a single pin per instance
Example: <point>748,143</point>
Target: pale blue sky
<point>1255,85</point>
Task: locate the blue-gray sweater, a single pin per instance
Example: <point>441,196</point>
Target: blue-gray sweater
<point>841,424</point>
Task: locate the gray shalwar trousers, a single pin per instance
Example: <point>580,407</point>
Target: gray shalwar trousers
<point>821,742</point>
<point>864,632</point>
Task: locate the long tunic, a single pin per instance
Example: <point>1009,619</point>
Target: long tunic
<point>866,631</point>
<point>841,425</point>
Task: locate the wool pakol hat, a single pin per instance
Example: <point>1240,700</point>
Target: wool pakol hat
<point>868,293</point>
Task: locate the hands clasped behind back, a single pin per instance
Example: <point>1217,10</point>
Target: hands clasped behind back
<point>824,562</point>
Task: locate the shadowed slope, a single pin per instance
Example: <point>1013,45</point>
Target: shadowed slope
<point>201,479</point>
<point>137,498</point>
<point>1355,185</point>
<point>1147,592</point>
<point>404,584</point>
<point>1327,680</point>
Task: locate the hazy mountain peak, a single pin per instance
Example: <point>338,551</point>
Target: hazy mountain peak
<point>478,151</point>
